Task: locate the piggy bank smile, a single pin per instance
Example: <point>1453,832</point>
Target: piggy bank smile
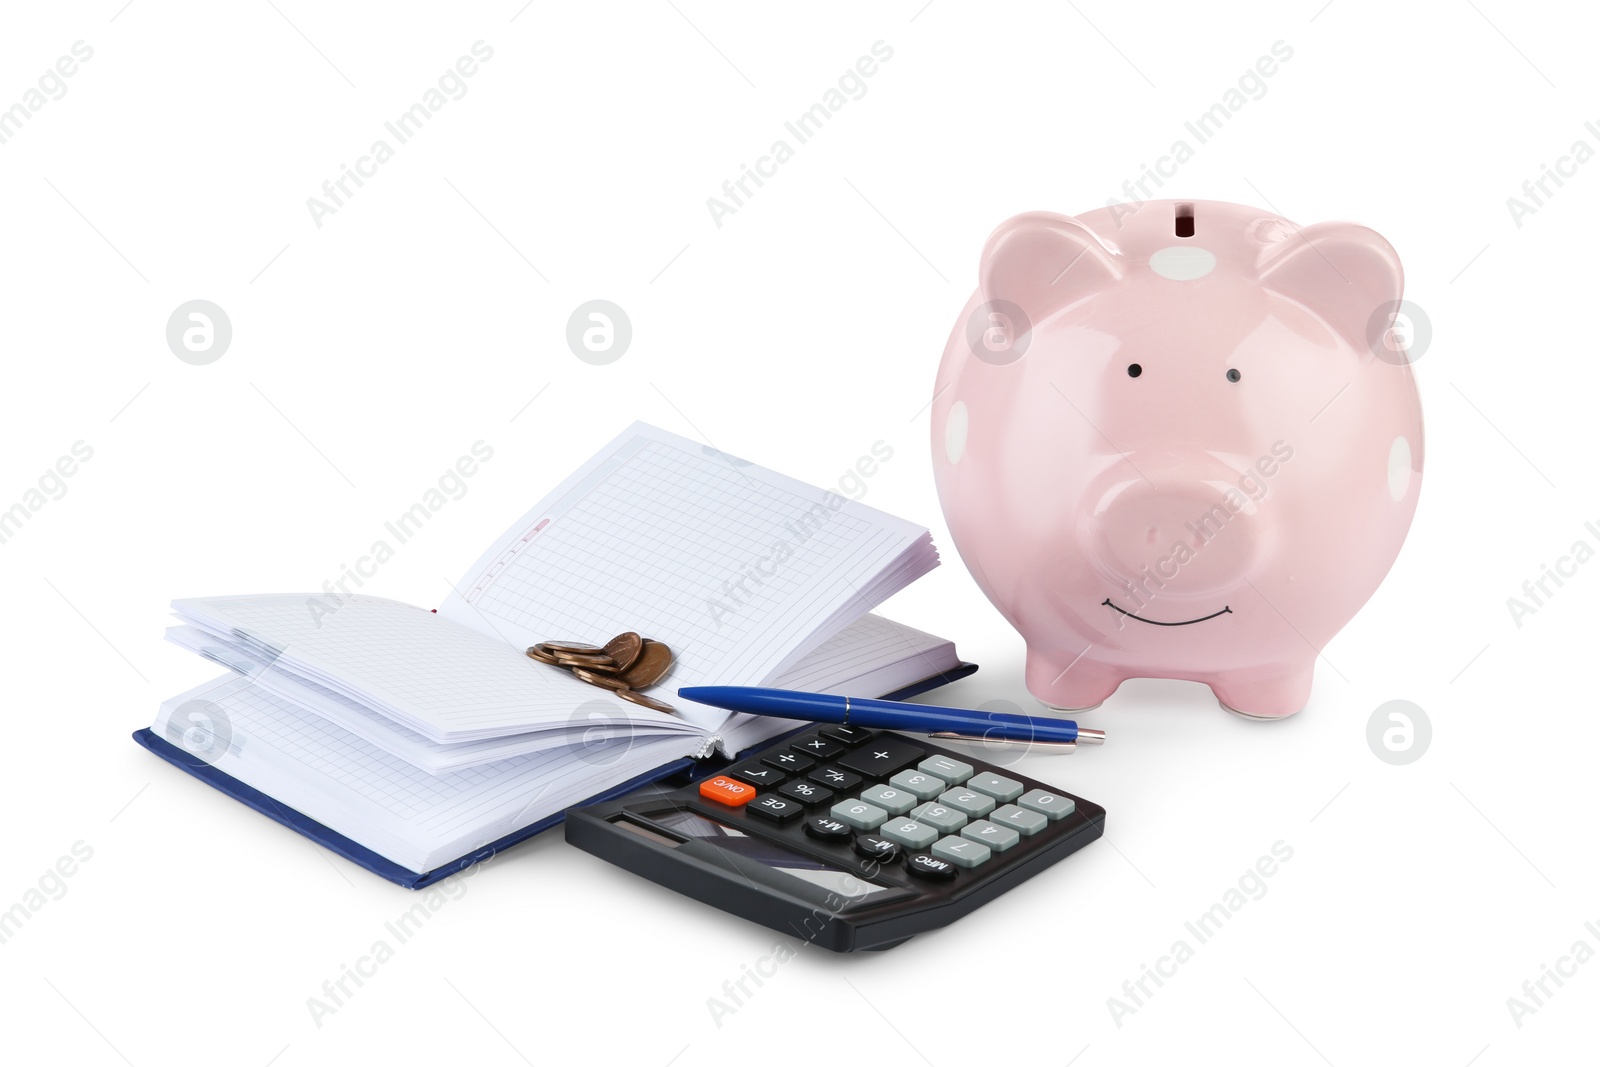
<point>1166,446</point>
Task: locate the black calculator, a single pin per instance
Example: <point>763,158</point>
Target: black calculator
<point>848,838</point>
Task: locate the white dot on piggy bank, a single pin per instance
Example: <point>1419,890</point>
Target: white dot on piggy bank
<point>1399,468</point>
<point>1182,263</point>
<point>955,433</point>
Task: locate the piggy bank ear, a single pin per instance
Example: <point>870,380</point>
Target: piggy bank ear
<point>1042,262</point>
<point>1343,272</point>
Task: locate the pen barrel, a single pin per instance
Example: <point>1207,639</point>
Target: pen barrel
<point>975,723</point>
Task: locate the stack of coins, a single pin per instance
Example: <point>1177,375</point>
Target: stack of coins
<point>625,664</point>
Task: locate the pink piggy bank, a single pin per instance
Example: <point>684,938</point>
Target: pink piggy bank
<point>1178,441</point>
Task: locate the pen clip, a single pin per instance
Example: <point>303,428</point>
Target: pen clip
<point>1060,746</point>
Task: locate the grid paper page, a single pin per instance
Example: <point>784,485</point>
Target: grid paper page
<point>735,567</point>
<point>446,681</point>
<point>417,819</point>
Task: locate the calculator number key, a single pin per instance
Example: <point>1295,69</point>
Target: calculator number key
<point>859,813</point>
<point>920,784</point>
<point>987,833</point>
<point>727,791</point>
<point>892,800</point>
<point>834,778</point>
<point>960,851</point>
<point>771,806</point>
<point>969,803</point>
<point>808,793</point>
<point>1025,822</point>
<point>941,817</point>
<point>1052,806</point>
<point>910,833</point>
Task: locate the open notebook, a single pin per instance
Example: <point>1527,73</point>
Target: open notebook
<point>427,737</point>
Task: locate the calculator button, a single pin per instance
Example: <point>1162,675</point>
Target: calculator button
<point>726,791</point>
<point>892,800</point>
<point>920,784</point>
<point>755,774</point>
<point>930,867</point>
<point>808,793</point>
<point>998,786</point>
<point>910,833</point>
<point>850,735</point>
<point>834,778</point>
<point>792,762</point>
<point>1025,822</point>
<point>941,817</point>
<point>967,802</point>
<point>827,828</point>
<point>776,808</point>
<point>820,747</point>
<point>951,770</point>
<point>878,848</point>
<point>859,813</point>
<point>1052,806</point>
<point>960,851</point>
<point>985,832</point>
<point>881,757</point>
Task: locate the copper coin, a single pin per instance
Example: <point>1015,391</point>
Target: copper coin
<point>595,660</point>
<point>541,655</point>
<point>567,646</point>
<point>655,659</point>
<point>644,701</point>
<point>604,681</point>
<point>624,649</point>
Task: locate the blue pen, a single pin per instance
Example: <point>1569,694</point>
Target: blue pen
<point>957,723</point>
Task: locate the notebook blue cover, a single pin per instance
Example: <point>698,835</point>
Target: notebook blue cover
<point>385,868</point>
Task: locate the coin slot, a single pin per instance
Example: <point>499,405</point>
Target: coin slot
<point>1183,222</point>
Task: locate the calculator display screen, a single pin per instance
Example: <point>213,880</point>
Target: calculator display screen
<point>774,856</point>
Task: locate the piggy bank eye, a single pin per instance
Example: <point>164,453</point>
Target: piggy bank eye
<point>1134,370</point>
<point>1233,375</point>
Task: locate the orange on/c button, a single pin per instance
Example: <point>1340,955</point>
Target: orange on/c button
<point>727,791</point>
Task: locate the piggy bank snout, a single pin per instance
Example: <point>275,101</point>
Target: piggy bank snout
<point>1188,528</point>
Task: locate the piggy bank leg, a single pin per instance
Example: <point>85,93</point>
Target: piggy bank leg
<point>1075,683</point>
<point>1275,693</point>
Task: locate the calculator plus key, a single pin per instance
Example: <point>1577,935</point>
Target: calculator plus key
<point>881,757</point>
<point>778,809</point>
<point>808,793</point>
<point>789,762</point>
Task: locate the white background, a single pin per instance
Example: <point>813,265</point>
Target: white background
<point>429,313</point>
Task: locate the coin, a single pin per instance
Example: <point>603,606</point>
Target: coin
<point>596,660</point>
<point>542,656</point>
<point>604,681</point>
<point>651,666</point>
<point>644,701</point>
<point>624,649</point>
<point>568,646</point>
